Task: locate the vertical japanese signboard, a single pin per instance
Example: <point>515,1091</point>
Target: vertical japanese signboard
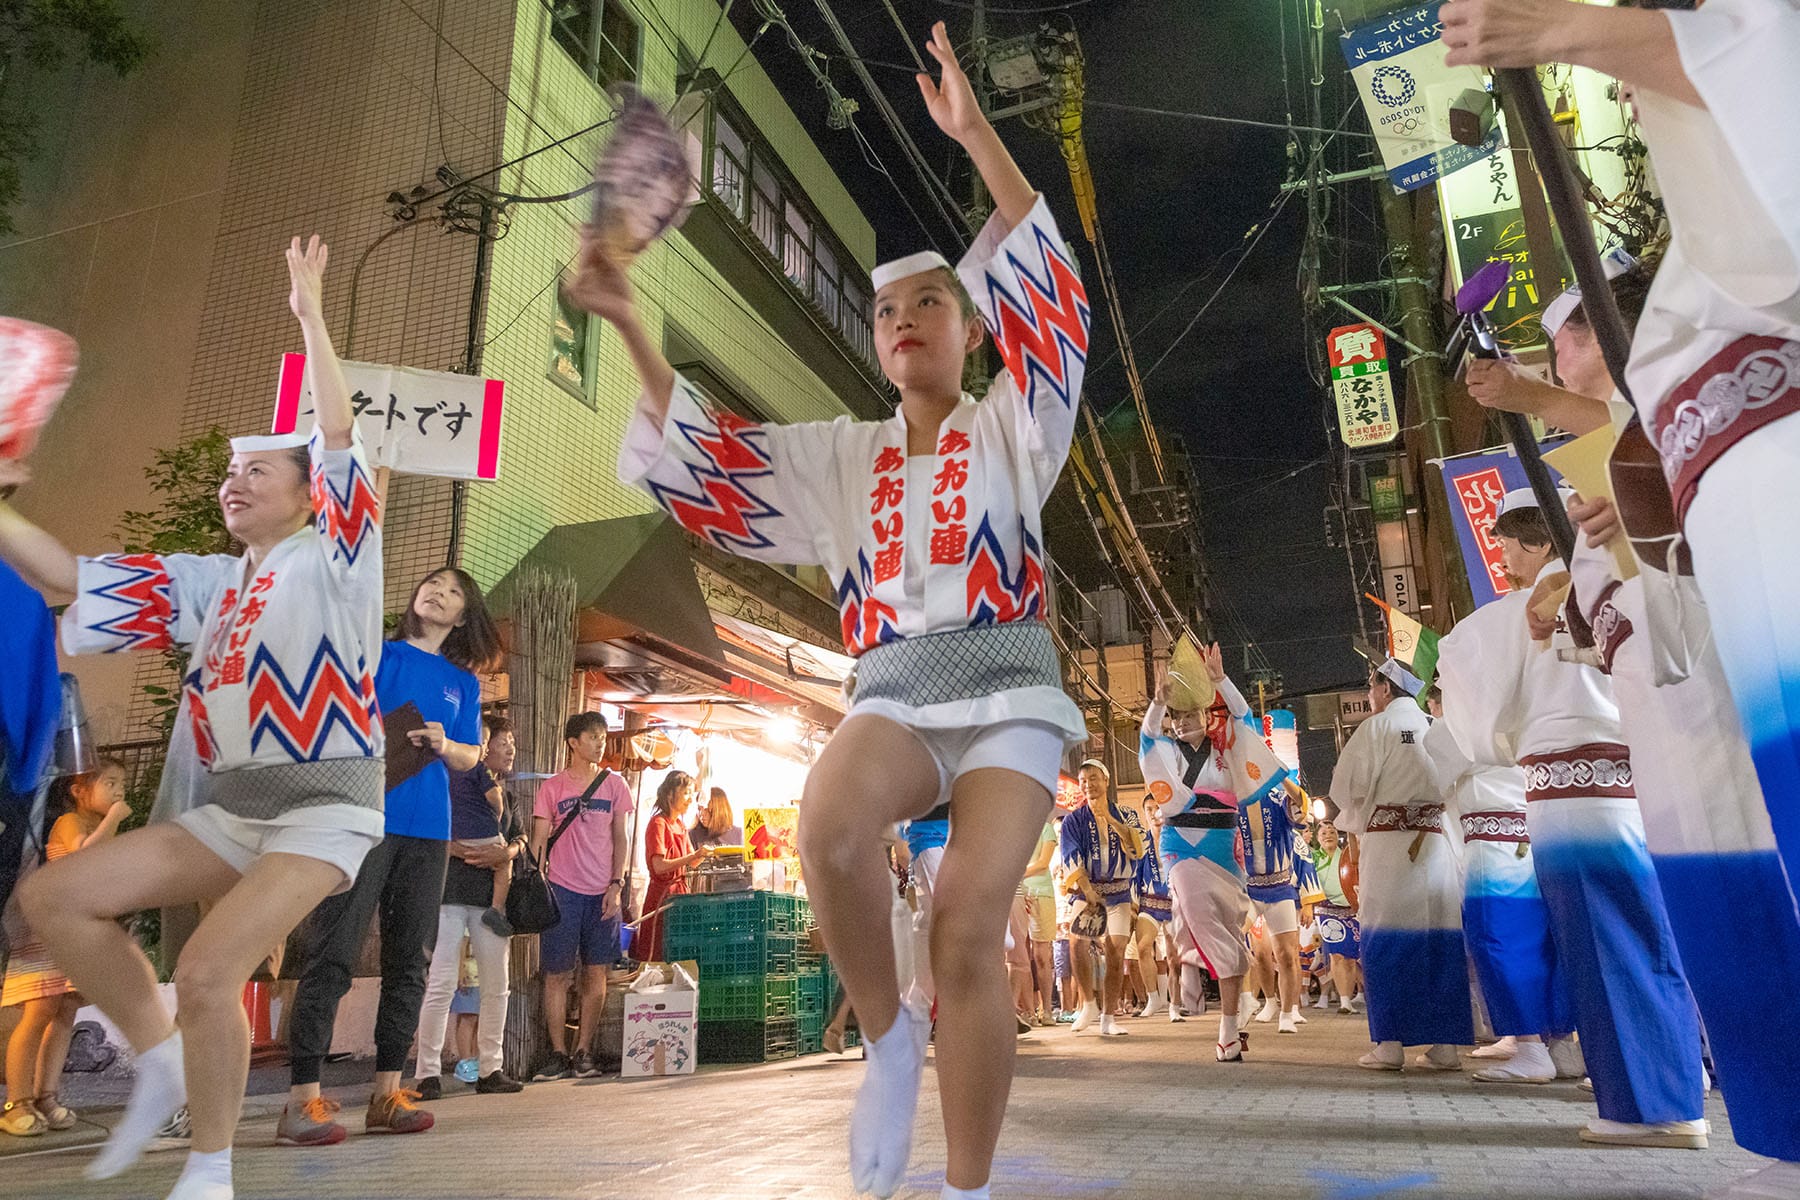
<point>1483,221</point>
<point>416,422</point>
<point>1429,119</point>
<point>1387,498</point>
<point>1360,381</point>
<point>1477,483</point>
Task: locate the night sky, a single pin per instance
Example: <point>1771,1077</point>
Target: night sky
<point>1176,198</point>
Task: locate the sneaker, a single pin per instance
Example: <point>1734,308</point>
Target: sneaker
<point>556,1066</point>
<point>1675,1135</point>
<point>496,920</point>
<point>397,1112</point>
<point>22,1119</point>
<point>311,1125</point>
<point>585,1067</point>
<point>429,1088</point>
<point>469,1070</point>
<point>499,1083</point>
<point>176,1134</point>
<point>58,1115</point>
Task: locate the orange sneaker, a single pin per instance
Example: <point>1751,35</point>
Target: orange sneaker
<point>312,1125</point>
<point>397,1112</point>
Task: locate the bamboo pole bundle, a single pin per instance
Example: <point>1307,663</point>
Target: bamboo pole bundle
<point>541,665</point>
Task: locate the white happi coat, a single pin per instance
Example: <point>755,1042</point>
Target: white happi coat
<point>1164,763</point>
<point>910,551</point>
<point>1385,766</point>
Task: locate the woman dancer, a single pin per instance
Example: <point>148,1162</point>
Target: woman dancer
<point>929,521</point>
<point>281,703</point>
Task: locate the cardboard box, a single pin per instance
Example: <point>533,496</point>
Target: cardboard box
<point>662,1024</point>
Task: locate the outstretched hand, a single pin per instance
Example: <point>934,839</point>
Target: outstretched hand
<point>950,101</point>
<point>1502,33</point>
<point>1215,663</point>
<point>600,285</point>
<point>306,272</point>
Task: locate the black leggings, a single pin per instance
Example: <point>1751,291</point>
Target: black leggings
<point>404,878</point>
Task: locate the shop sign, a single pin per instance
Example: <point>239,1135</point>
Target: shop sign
<point>1387,498</point>
<point>1477,483</point>
<point>1361,383</point>
<point>1483,222</point>
<point>1429,119</point>
<point>416,422</point>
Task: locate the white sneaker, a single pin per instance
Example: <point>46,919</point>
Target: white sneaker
<point>1387,1056</point>
<point>1565,1052</point>
<point>1085,1016</point>
<point>1676,1135</point>
<point>1270,1010</point>
<point>1531,1064</point>
<point>1110,1027</point>
<point>1506,1047</point>
<point>1439,1058</point>
<point>1287,1024</point>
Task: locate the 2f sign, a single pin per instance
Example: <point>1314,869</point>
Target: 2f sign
<point>416,422</point>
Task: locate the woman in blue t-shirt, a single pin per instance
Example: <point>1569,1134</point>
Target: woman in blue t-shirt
<point>444,636</point>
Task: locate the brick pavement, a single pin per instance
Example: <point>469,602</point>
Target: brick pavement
<point>1149,1117</point>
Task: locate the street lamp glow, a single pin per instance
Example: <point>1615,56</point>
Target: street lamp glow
<point>1318,810</point>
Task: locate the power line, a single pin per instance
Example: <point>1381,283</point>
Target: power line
<point>1214,117</point>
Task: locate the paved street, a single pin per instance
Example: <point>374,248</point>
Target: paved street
<point>1148,1116</point>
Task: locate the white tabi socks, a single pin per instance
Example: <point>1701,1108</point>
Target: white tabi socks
<point>1530,1063</point>
<point>956,1193</point>
<point>206,1177</point>
<point>158,1093</point>
<point>881,1124</point>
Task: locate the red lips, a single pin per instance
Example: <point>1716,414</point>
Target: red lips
<point>908,344</point>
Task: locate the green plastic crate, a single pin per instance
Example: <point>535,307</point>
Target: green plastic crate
<point>812,993</point>
<point>748,997</point>
<point>728,912</point>
<point>734,953</point>
<point>748,1041</point>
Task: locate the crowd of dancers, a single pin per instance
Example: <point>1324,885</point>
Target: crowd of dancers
<point>1603,822</point>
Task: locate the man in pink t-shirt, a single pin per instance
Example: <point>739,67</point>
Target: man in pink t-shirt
<point>586,871</point>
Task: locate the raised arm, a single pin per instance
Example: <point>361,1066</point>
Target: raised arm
<point>603,287</point>
<point>952,104</point>
<point>1634,45</point>
<point>331,395</point>
<point>46,563</point>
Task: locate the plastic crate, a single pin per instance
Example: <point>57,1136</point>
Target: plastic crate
<point>749,997</point>
<point>812,993</point>
<point>728,912</point>
<point>736,953</point>
<point>812,1027</point>
<point>748,1041</point>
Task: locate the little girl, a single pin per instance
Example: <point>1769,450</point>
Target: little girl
<point>95,805</point>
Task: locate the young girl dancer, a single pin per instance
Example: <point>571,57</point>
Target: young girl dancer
<point>280,700</point>
<point>929,523</point>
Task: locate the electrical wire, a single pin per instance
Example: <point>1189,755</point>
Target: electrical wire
<point>1145,110</point>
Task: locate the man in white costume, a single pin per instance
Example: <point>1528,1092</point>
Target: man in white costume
<point>1508,695</point>
<point>1411,887</point>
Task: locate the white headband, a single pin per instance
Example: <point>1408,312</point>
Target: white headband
<point>269,441</point>
<point>1556,313</point>
<point>912,264</point>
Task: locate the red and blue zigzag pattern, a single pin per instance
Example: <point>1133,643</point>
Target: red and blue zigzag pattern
<point>350,519</point>
<point>722,508</point>
<point>198,720</point>
<point>996,595</point>
<point>142,587</point>
<point>867,621</point>
<point>1042,334</point>
<point>301,717</point>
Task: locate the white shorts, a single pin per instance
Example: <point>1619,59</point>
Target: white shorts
<point>1029,748</point>
<point>327,832</point>
<point>1279,916</point>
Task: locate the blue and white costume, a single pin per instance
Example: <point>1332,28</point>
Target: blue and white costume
<point>1506,925</point>
<point>1614,946</point>
<point>1415,974</point>
<point>1108,851</point>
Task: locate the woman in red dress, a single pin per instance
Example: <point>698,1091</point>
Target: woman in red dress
<point>669,854</point>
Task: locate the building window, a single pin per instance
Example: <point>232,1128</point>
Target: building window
<point>598,34</point>
<point>797,256</point>
<point>731,167</point>
<point>572,345</point>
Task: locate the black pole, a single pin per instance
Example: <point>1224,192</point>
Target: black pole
<point>1562,532</point>
<point>1525,96</point>
<point>471,364</point>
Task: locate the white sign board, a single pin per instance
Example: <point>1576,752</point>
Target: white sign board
<point>416,422</point>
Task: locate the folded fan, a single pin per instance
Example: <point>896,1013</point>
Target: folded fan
<point>37,364</point>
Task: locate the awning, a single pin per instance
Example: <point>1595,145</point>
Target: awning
<point>633,575</point>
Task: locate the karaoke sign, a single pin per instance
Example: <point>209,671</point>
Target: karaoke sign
<point>1363,387</point>
<point>416,422</point>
